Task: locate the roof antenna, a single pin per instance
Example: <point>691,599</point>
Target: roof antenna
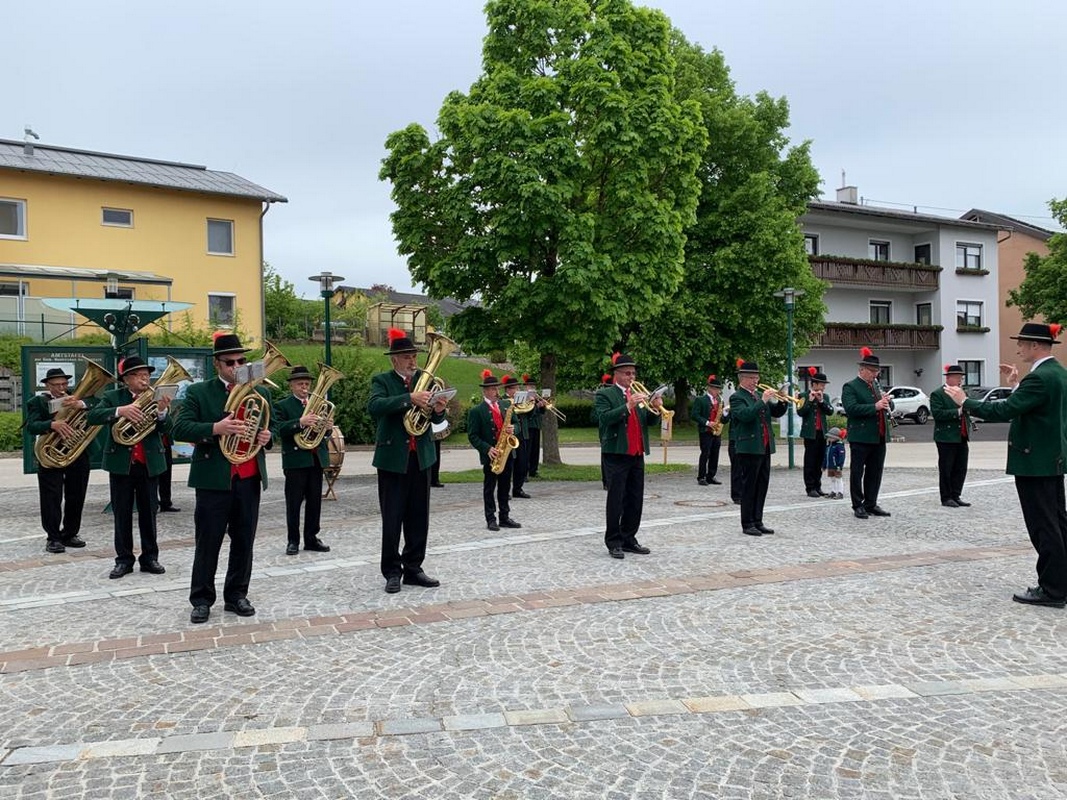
<point>27,148</point>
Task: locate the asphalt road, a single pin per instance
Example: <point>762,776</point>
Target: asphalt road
<point>985,431</point>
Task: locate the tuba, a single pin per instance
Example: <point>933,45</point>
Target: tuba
<point>416,420</point>
<point>505,443</point>
<point>311,438</point>
<point>130,433</point>
<point>245,403</point>
<point>51,449</point>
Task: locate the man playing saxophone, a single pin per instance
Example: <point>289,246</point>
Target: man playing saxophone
<point>227,494</point>
<point>403,461</point>
<point>133,469</point>
<point>488,433</point>
<point>302,468</point>
<point>61,520</point>
<point>707,413</point>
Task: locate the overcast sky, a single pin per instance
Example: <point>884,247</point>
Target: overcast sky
<point>941,104</point>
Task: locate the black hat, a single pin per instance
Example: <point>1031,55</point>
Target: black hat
<point>507,380</point>
<point>817,375</point>
<point>489,379</point>
<point>869,359</point>
<point>400,343</point>
<point>622,360</point>
<point>714,382</point>
<point>55,372</point>
<point>1037,332</point>
<point>226,343</point>
<point>298,372</point>
<point>128,365</point>
<point>526,379</point>
<point>953,369</point>
<point>746,366</point>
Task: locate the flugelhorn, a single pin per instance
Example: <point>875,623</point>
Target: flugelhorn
<point>662,411</point>
<point>796,400</point>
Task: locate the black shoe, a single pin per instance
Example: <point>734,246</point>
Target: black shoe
<point>491,525</point>
<point>74,541</point>
<point>292,549</point>
<point>153,567</point>
<point>701,482</point>
<point>317,546</point>
<point>437,485</point>
<point>737,501</point>
<point>241,608</point>
<point>420,578</point>
<point>120,570</point>
<point>814,493</point>
<point>199,614</point>
<point>169,509</point>
<point>878,511</point>
<point>616,552</point>
<point>861,513</point>
<point>521,494</point>
<point>764,529</point>
<point>640,549</point>
<point>715,481</point>
<point>961,503</point>
<point>55,547</point>
<point>508,522</point>
<point>1037,596</point>
<point>752,530</point>
<point>950,503</point>
<point>823,494</point>
<point>392,584</point>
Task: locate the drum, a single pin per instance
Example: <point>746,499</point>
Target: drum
<point>441,430</point>
<point>336,447</point>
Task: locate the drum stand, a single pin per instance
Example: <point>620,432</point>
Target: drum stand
<point>330,474</point>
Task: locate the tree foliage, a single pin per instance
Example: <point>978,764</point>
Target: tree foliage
<point>286,314</point>
<point>1043,292</point>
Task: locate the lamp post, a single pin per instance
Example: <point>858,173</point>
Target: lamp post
<point>326,282</point>
<point>789,294</point>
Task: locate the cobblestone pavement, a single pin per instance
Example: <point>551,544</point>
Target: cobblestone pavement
<point>837,658</point>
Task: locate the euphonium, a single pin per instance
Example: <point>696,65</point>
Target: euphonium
<point>245,403</point>
<point>796,400</point>
<point>51,449</point>
<point>130,433</point>
<point>417,420</point>
<point>505,443</point>
<point>319,404</point>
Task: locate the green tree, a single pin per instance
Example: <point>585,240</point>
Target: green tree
<point>561,185</point>
<point>1043,292</point>
<point>285,312</point>
<point>744,246</point>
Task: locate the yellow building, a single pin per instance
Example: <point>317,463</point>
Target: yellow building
<point>93,225</point>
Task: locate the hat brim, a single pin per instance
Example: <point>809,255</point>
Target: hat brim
<point>47,378</point>
<point>227,352</point>
<point>1042,339</point>
<point>301,377</point>
<point>148,367</point>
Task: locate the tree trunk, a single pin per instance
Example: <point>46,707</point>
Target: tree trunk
<point>681,401</point>
<point>549,424</point>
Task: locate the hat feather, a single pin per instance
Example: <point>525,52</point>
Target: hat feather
<point>812,371</point>
<point>487,374</point>
<point>394,334</point>
<point>866,352</point>
<point>1055,328</point>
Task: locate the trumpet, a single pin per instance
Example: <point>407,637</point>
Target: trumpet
<point>662,411</point>
<point>781,396</point>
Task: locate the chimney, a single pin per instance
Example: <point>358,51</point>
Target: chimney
<point>27,147</point>
<point>848,194</point>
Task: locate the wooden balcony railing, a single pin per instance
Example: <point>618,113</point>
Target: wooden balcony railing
<point>863,272</point>
<point>852,336</point>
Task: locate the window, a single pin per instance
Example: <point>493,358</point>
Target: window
<point>968,256</point>
<point>885,378</point>
<point>972,373</point>
<point>119,293</point>
<point>877,250</point>
<point>922,254</point>
<point>811,244</point>
<point>221,309</point>
<point>118,217</point>
<point>881,312</point>
<point>220,237</point>
<point>13,289</point>
<point>12,219</point>
<point>968,314</point>
<point>924,314</point>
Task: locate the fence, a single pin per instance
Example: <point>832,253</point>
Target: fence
<point>10,390</point>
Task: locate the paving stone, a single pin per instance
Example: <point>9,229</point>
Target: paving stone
<point>343,730</point>
<point>771,699</point>
<point>473,722</point>
<point>403,727</point>
<point>195,741</point>
<point>596,712</point>
<point>536,716</point>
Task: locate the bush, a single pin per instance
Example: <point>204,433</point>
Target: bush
<point>11,351</point>
<point>10,431</point>
<point>351,395</point>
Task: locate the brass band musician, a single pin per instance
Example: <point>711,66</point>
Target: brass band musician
<point>814,413</point>
<point>708,415</point>
<point>489,425</point>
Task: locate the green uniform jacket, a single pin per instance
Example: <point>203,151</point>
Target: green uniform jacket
<point>389,401</point>
<point>203,406</point>
<point>858,400</point>
<point>700,411</point>
<point>117,456</point>
<point>748,414</point>
<point>1037,439</point>
<point>287,414</point>
<point>534,418</point>
<point>610,414</point>
<point>38,419</point>
<point>480,427</point>
<point>946,416</point>
<point>809,411</point>
<point>522,424</point>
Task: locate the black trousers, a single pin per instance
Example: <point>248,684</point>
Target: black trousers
<point>62,520</point>
<point>435,470</point>
<point>127,491</point>
<point>303,487</point>
<point>497,489</point>
<point>1042,501</point>
<point>520,465</point>
<point>535,451</point>
<point>814,454</point>
<point>404,502</point>
<point>865,477</point>
<point>163,479</point>
<point>951,468</point>
<point>708,464</point>
<point>625,476</point>
<point>218,513</point>
<point>737,471</point>
<point>756,478</point>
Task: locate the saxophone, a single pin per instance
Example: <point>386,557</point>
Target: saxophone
<point>130,433</point>
<point>245,403</point>
<point>716,420</point>
<point>416,420</point>
<point>505,443</point>
<point>51,449</point>
<point>311,438</point>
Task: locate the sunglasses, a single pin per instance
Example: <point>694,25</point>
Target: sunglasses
<point>230,362</point>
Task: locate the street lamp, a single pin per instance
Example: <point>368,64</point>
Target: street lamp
<point>790,295</point>
<point>326,281</point>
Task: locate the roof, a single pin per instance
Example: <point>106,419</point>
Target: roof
<point>1004,222</point>
<point>447,305</point>
<point>893,214</point>
<point>79,274</point>
<point>65,161</point>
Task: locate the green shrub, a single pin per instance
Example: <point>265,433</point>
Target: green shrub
<point>10,431</point>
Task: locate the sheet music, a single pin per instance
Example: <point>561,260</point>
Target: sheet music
<point>55,404</point>
<point>167,390</point>
<point>448,394</point>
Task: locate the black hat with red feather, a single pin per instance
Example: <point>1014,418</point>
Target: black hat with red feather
<point>400,343</point>
<point>489,379</point>
<point>815,374</point>
<point>869,359</point>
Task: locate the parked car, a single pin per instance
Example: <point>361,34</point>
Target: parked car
<point>910,402</point>
<point>838,407</point>
<point>984,393</point>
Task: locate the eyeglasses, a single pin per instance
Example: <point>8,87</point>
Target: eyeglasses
<point>230,362</point>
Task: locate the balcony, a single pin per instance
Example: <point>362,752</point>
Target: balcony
<point>854,335</point>
<point>899,275</point>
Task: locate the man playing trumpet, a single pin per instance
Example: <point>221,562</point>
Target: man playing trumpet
<point>750,416</point>
<point>814,412</point>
